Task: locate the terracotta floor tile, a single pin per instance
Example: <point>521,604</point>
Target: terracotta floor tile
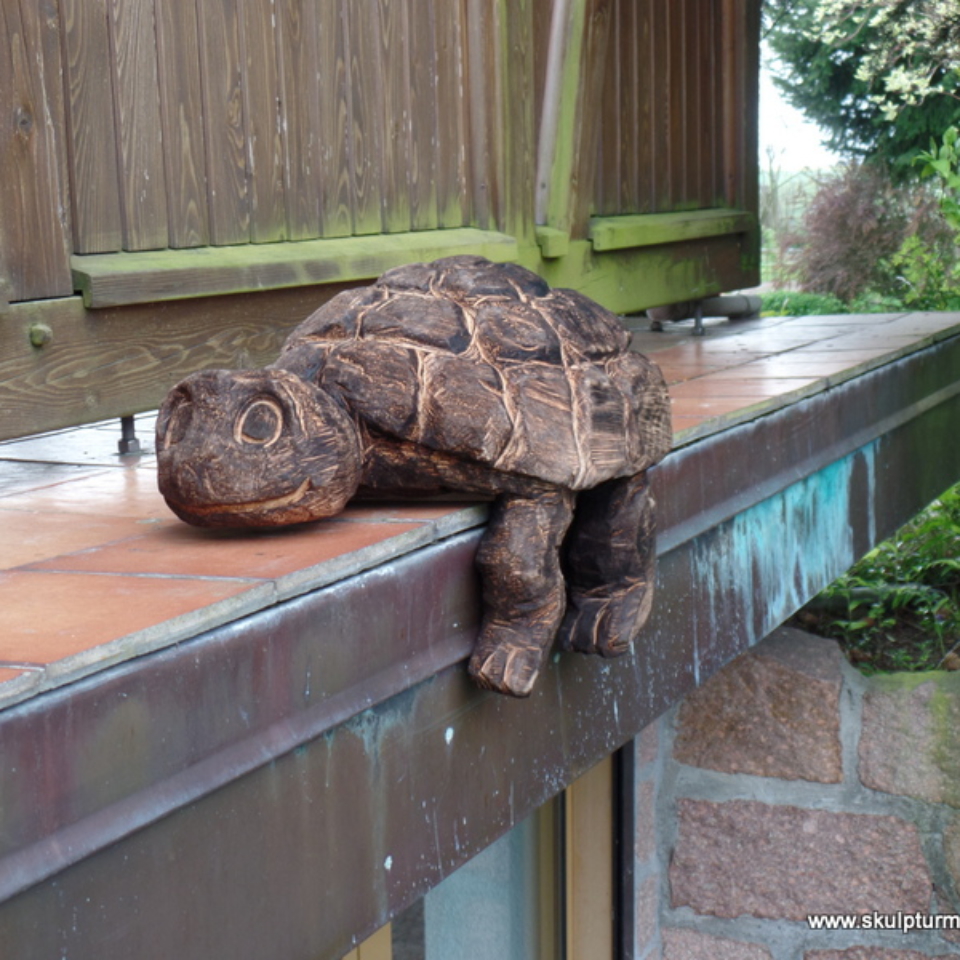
<point>113,492</point>
<point>885,336</point>
<point>710,406</point>
<point>9,673</point>
<point>46,617</point>
<point>686,422</point>
<point>711,386</point>
<point>853,351</point>
<point>784,368</point>
<point>93,444</point>
<point>17,478</point>
<point>179,549</point>
<point>681,372</point>
<point>404,511</point>
<point>31,537</point>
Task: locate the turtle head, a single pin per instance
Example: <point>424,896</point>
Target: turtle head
<point>254,448</point>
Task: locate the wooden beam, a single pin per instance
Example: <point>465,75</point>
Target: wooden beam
<point>62,365</point>
<point>115,279</point>
<point>643,230</point>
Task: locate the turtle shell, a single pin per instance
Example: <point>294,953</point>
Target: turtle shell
<point>485,361</point>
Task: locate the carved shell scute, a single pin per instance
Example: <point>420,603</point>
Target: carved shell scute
<point>510,331</point>
<point>485,362</point>
<point>426,321</point>
<point>583,324</point>
<point>467,278</point>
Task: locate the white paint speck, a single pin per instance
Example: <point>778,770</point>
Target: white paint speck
<point>388,864</point>
<point>448,736</point>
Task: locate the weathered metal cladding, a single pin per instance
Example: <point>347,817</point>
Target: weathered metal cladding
<point>276,798</point>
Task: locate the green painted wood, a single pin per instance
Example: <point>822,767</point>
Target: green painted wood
<point>644,230</point>
<point>630,280</point>
<point>553,243</point>
<point>114,279</point>
<point>62,364</point>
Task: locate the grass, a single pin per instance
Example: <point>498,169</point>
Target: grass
<point>898,609</point>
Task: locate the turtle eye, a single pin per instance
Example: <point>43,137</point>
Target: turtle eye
<point>261,423</point>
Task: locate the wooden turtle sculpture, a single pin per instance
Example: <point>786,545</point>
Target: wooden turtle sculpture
<point>458,375</point>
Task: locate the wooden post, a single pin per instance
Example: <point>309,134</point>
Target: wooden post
<point>567,154</point>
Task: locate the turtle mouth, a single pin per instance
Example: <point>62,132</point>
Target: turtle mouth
<point>258,506</point>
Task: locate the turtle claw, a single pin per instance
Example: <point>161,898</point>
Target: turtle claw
<point>605,625</point>
<point>507,668</point>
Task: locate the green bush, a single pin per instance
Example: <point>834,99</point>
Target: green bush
<point>899,607</point>
<point>792,303</point>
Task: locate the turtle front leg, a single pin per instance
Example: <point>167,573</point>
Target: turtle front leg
<point>610,562</point>
<point>524,593</point>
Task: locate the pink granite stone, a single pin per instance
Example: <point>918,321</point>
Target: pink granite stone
<point>778,862</point>
<point>908,743</point>
<point>772,712</point>
<point>951,850</point>
<point>693,945</point>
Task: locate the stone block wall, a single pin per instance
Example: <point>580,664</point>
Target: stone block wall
<point>790,786</point>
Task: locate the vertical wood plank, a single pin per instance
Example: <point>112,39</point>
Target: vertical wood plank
<point>676,105</point>
<point>262,119</point>
<point>181,117</point>
<point>694,132</point>
<point>589,113</point>
<point>707,84</point>
<point>590,863</point>
<point>640,143</point>
<point>334,118</point>
<point>717,100</point>
<point>364,85</point>
<point>225,136</point>
<point>542,16</point>
<point>517,141</point>
<point>453,208</point>
<point>480,95</point>
<point>395,114</point>
<point>143,200</point>
<point>659,99</point>
<point>92,144</point>
<point>740,72</point>
<point>299,70</point>
<point>615,95</point>
<point>566,169</point>
<point>424,130</point>
<point>34,234</point>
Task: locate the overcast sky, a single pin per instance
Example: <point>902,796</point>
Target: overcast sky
<point>794,140</point>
